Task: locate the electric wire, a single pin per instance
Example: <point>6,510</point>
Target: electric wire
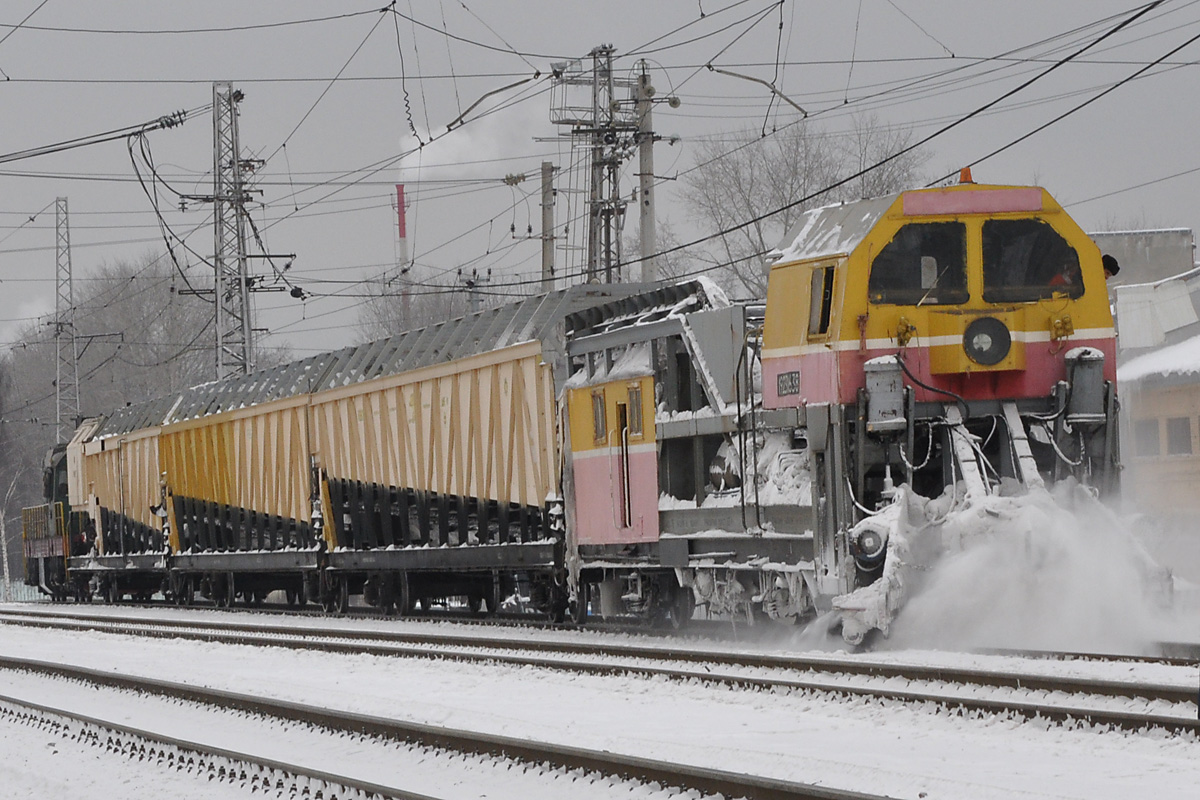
<point>184,31</point>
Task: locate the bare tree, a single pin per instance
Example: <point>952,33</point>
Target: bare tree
<point>747,175</point>
<point>411,300</point>
<point>140,337</point>
<point>673,263</point>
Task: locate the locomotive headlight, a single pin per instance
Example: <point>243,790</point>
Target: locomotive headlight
<point>868,543</point>
<point>987,341</point>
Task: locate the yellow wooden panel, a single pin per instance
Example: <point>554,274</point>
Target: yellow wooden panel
<point>482,427</point>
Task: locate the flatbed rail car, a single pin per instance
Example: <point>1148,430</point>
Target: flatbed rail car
<point>407,470</point>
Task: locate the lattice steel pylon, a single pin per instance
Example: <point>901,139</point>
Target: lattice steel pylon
<point>66,380</point>
<point>235,333</point>
<point>597,108</point>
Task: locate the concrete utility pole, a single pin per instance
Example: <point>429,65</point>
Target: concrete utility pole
<point>66,384</point>
<point>645,140</point>
<point>235,332</point>
<point>547,226</point>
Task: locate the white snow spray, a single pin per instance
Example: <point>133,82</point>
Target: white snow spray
<point>1054,570</point>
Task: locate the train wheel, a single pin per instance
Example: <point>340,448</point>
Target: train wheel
<point>189,592</point>
<point>329,588</point>
<point>293,597</point>
<point>336,597</point>
<point>680,609</point>
<point>402,595</point>
<point>579,606</point>
<point>387,596</point>
<point>223,591</point>
<point>112,593</point>
<point>475,602</point>
<point>343,596</point>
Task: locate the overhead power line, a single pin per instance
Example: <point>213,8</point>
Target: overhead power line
<point>167,121</point>
<point>182,31</point>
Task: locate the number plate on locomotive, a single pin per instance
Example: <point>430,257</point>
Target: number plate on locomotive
<point>788,383</point>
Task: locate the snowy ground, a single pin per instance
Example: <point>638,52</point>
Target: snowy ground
<point>868,746</point>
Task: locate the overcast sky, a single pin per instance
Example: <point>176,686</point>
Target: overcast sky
<point>79,68</point>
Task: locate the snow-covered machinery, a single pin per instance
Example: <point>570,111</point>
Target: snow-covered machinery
<point>944,346</point>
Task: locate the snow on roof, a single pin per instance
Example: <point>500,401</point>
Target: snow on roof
<point>1177,359</point>
<point>1139,232</point>
<point>832,230</point>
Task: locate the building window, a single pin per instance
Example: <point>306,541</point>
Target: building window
<point>599,423</point>
<point>1145,437</point>
<point>925,263</point>
<point>1179,436</point>
<point>1026,260</point>
<point>635,410</point>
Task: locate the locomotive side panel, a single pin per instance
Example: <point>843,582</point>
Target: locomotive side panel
<point>803,331</point>
<point>615,461</point>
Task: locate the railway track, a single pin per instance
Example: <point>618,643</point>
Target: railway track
<point>205,761</point>
<point>1071,700</point>
<point>291,779</point>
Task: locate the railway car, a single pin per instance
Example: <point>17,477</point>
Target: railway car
<point>632,451</point>
<point>956,339</point>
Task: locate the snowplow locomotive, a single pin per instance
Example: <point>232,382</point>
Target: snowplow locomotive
<point>632,451</point>
<point>954,339</point>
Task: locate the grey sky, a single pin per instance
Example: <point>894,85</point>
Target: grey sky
<point>66,84</point>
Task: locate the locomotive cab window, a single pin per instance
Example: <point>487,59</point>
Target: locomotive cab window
<point>820,301</point>
<point>1025,260</point>
<point>925,263</point>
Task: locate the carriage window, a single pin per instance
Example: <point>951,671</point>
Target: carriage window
<point>599,422</point>
<point>635,410</point>
<point>1026,260</point>
<point>820,304</point>
<point>925,263</point>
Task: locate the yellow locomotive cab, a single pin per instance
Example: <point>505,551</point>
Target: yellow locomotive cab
<point>962,280</point>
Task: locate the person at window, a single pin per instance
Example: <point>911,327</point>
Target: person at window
<point>1068,276</point>
<point>1111,267</point>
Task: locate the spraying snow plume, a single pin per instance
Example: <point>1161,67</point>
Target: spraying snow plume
<point>1045,569</point>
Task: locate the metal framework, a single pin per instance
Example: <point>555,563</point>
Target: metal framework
<point>235,333</point>
<point>66,384</point>
<point>606,123</point>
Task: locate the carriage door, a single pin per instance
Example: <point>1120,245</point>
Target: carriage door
<point>625,506</point>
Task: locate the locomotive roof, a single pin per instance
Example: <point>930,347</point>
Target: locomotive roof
<point>547,318</point>
<point>832,230</point>
<point>840,228</point>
